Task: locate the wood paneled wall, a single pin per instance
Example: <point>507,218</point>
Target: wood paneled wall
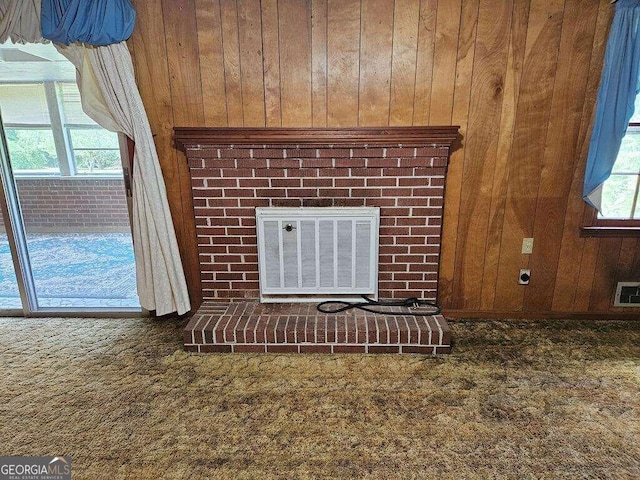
<point>519,77</point>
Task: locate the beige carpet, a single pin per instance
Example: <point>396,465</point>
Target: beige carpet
<point>515,400</point>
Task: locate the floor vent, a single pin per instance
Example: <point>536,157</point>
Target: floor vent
<point>314,254</point>
<point>627,294</point>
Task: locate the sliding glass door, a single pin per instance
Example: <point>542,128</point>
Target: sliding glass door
<point>10,298</point>
<point>9,292</point>
<point>64,193</point>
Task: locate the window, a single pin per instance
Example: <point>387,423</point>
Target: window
<point>49,134</point>
<point>620,191</point>
<point>620,207</point>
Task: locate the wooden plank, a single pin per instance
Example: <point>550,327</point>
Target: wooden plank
<point>604,279</point>
<point>183,61</point>
<point>444,62</point>
<point>532,116</point>
<point>424,61</point>
<point>343,62</point>
<point>635,267</point>
<point>560,150</point>
<point>601,34</point>
<point>319,63</point>
<point>403,68</point>
<point>572,246</point>
<point>252,75</point>
<point>271,61</point>
<point>295,61</point>
<point>627,269</point>
<point>616,314</point>
<point>517,43</point>
<point>490,62</point>
<point>465,57</point>
<point>376,43</point>
<point>585,275</point>
<point>211,62</point>
<point>231,56</point>
<point>152,75</point>
<point>186,94</point>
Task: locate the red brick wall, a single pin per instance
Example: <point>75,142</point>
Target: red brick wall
<point>73,204</point>
<point>407,183</point>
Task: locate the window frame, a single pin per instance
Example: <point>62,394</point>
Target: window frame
<point>600,227</point>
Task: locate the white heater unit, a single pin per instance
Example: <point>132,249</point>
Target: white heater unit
<point>315,254</point>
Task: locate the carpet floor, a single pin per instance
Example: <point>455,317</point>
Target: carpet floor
<point>515,400</point>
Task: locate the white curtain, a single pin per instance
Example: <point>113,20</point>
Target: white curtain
<point>20,21</point>
<point>110,97</point>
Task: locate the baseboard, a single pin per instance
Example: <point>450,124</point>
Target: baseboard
<point>505,314</point>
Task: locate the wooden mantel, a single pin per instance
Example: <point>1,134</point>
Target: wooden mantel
<point>442,136</point>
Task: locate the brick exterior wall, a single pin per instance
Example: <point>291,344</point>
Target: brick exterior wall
<point>406,182</point>
<point>73,204</point>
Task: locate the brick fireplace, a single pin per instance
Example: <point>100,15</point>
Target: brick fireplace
<point>401,170</point>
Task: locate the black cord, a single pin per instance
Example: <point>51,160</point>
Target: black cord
<point>369,306</point>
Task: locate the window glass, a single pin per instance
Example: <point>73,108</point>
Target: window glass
<point>628,160</point>
<point>98,161</point>
<point>71,105</point>
<point>636,112</point>
<point>96,151</point>
<point>24,105</point>
<point>93,138</point>
<point>32,150</point>
<point>617,196</point>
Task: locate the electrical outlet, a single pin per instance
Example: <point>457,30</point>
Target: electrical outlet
<point>527,246</point>
<point>525,276</point>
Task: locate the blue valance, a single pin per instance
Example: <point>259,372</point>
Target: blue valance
<point>95,22</point>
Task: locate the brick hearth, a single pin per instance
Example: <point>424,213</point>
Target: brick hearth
<point>241,327</point>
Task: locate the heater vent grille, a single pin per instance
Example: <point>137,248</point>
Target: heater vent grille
<point>627,294</point>
<point>309,252</point>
